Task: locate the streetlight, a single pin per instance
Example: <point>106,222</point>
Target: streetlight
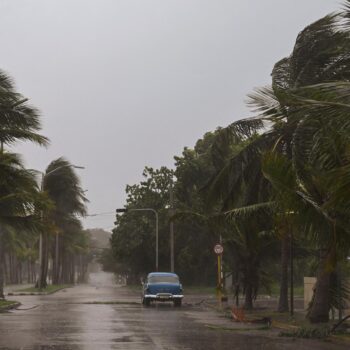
<point>156,214</point>
<point>172,212</point>
<point>43,176</point>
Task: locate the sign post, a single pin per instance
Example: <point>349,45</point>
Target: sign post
<point>218,249</point>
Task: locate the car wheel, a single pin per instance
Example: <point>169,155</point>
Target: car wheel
<point>177,303</point>
<point>146,302</point>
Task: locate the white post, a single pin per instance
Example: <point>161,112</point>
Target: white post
<point>172,263</point>
<point>157,242</point>
<point>41,237</point>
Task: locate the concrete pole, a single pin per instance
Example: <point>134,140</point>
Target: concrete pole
<point>221,268</point>
<point>340,310</point>
<point>291,273</point>
<point>41,237</point>
<point>172,260</point>
<point>157,241</point>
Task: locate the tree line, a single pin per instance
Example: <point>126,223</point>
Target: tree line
<point>271,185</point>
<point>36,207</point>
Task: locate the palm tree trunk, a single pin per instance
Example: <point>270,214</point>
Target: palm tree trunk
<point>84,269</point>
<point>72,278</point>
<point>19,271</point>
<point>10,268</point>
<point>283,299</point>
<point>65,268</point>
<point>319,311</point>
<point>34,271</point>
<point>5,267</point>
<point>248,301</point>
<point>2,296</point>
<point>45,261</point>
<point>28,271</point>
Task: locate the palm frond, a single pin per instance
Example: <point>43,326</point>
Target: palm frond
<point>265,103</point>
<point>253,210</point>
<point>227,186</point>
<point>232,137</point>
<point>18,119</point>
<point>63,187</point>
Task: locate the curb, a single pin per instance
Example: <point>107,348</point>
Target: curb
<point>10,307</point>
<point>339,339</point>
<point>36,293</point>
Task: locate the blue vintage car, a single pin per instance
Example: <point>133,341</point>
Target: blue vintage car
<point>162,286</point>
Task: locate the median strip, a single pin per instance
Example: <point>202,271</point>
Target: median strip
<point>6,305</point>
<point>50,289</point>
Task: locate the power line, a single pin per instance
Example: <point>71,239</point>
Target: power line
<point>100,214</point>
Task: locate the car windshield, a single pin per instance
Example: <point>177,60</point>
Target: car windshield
<point>163,279</point>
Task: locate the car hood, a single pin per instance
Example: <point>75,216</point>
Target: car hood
<point>173,288</point>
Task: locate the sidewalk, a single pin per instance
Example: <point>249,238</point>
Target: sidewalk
<point>15,287</point>
<point>217,319</point>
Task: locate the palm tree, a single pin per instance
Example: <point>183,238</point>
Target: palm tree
<point>320,188</point>
<point>18,120</point>
<point>19,198</point>
<point>63,188</point>
<point>252,246</point>
<point>320,55</point>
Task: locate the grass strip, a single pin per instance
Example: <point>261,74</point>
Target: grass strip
<point>52,288</point>
<point>246,329</point>
<point>7,304</point>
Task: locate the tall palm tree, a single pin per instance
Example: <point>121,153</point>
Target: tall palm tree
<point>321,54</point>
<point>252,244</point>
<point>18,122</point>
<point>63,188</point>
<point>19,198</point>
<point>321,167</point>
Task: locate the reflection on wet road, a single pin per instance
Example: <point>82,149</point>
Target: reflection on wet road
<point>75,319</point>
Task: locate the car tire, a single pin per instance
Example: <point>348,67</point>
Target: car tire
<point>146,302</point>
<point>177,303</point>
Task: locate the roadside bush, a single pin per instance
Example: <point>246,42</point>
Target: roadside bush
<point>308,333</point>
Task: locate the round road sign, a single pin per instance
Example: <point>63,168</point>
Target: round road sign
<point>218,249</point>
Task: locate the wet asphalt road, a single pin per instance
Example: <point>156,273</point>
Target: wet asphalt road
<point>66,320</point>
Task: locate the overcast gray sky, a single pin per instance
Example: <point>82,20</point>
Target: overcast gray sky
<point>126,83</point>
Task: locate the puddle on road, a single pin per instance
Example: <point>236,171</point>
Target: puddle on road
<point>124,339</point>
<point>110,303</point>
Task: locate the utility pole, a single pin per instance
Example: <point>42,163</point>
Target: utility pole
<point>172,212</point>
<point>291,273</point>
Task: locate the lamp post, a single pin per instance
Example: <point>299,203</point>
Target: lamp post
<point>172,264</point>
<point>156,214</point>
<point>43,176</point>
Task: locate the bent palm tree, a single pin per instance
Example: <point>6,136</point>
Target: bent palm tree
<point>19,198</point>
<point>18,120</point>
<point>63,188</point>
<point>321,54</point>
